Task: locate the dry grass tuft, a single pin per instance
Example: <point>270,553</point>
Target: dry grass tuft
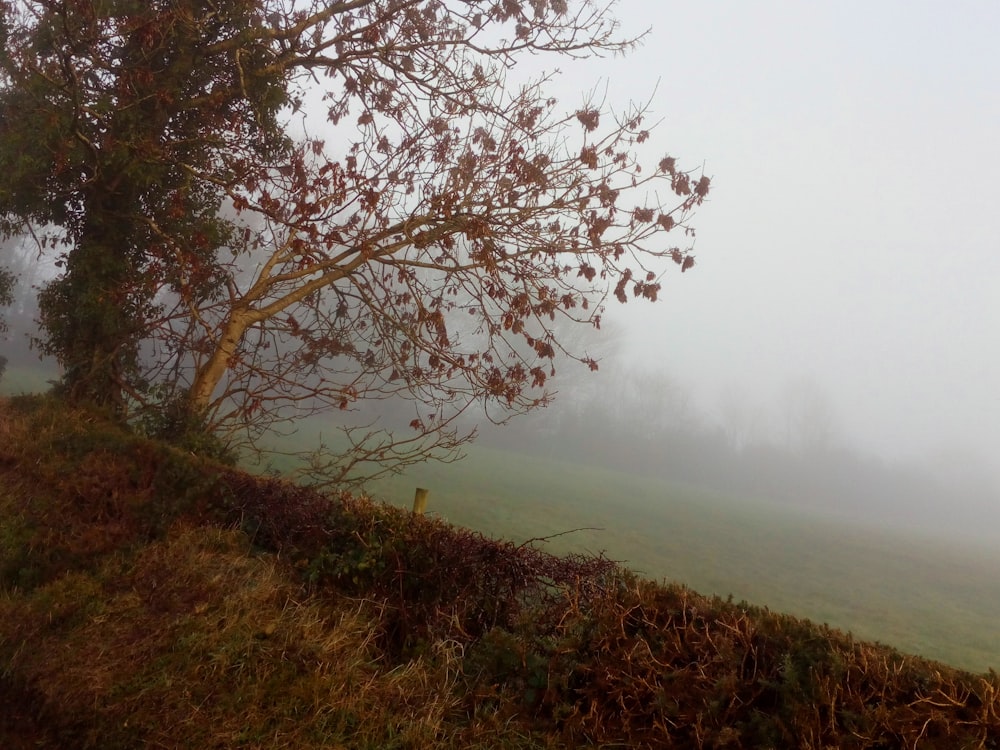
<point>198,642</point>
<point>649,665</point>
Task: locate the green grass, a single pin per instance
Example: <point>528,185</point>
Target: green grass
<point>935,598</point>
<point>16,380</point>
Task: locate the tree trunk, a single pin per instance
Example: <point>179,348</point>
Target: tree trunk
<point>91,313</point>
<point>209,375</point>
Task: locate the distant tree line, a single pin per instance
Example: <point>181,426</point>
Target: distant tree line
<point>645,422</point>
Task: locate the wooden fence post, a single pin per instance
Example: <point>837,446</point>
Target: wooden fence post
<point>420,501</point>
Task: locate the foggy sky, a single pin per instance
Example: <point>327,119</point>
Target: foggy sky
<point>851,237</point>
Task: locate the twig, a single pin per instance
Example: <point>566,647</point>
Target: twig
<point>526,542</point>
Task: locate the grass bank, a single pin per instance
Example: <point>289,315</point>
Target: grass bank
<point>153,599</point>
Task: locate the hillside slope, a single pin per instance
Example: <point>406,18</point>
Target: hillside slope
<point>150,598</point>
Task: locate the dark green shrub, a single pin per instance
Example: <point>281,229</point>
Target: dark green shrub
<point>172,422</point>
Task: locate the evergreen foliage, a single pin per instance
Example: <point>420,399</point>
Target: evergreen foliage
<point>123,123</point>
<point>7,282</point>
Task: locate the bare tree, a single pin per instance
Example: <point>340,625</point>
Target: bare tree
<point>743,420</point>
<point>809,419</point>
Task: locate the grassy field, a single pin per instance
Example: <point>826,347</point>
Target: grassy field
<point>17,380</point>
<point>935,598</point>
